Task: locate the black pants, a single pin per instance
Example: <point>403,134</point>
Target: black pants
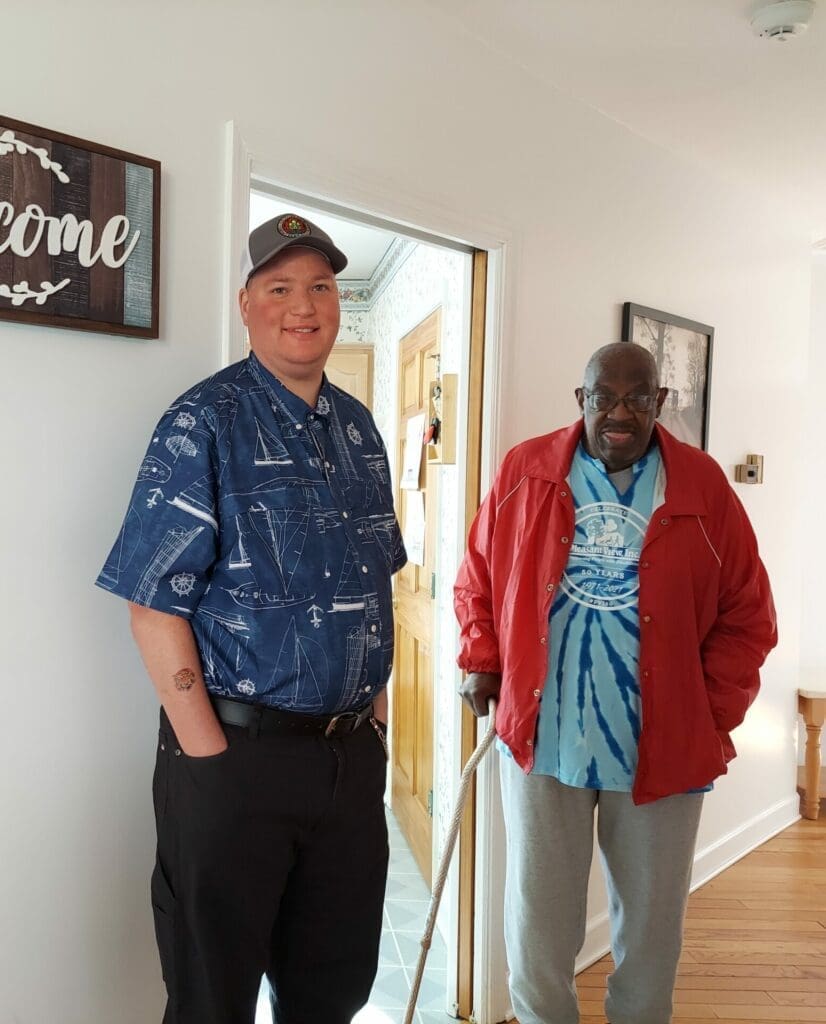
<point>272,859</point>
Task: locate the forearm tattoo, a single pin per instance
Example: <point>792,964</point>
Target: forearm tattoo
<point>184,679</point>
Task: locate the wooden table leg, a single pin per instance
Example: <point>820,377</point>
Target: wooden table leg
<point>813,711</point>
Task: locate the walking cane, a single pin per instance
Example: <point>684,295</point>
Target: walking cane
<point>482,748</point>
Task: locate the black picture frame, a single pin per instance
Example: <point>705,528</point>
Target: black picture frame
<point>683,350</point>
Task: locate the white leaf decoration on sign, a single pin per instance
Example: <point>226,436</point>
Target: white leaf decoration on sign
<point>9,143</point>
<point>21,292</point>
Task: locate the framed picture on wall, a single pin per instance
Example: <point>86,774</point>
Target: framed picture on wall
<point>682,349</point>
<point>79,233</point>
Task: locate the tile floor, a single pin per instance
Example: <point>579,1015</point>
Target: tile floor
<point>405,911</point>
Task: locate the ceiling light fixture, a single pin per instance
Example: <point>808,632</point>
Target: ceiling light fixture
<point>782,19</point>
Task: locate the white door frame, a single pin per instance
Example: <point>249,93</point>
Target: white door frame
<point>418,217</point>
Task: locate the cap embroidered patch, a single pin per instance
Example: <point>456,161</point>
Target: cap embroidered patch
<point>292,226</point>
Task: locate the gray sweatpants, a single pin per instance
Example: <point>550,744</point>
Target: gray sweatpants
<point>647,854</point>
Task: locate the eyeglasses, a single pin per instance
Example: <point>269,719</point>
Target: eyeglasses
<point>599,401</point>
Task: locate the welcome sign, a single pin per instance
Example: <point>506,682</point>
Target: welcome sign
<point>79,233</point>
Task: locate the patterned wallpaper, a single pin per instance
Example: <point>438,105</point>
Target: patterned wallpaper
<point>359,297</point>
<point>355,327</point>
<point>355,294</point>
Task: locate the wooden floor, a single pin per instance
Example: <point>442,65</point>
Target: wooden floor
<point>755,939</point>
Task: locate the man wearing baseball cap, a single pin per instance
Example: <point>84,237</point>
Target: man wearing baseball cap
<point>256,555</point>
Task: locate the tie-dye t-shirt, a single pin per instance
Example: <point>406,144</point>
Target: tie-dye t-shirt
<point>590,716</point>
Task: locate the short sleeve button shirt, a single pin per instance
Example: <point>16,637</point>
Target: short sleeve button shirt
<point>270,526</point>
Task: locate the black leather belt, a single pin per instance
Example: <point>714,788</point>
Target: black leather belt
<point>261,719</point>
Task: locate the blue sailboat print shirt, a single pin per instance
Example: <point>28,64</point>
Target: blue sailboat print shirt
<point>270,526</point>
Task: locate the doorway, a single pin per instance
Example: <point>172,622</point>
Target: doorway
<point>416,288</point>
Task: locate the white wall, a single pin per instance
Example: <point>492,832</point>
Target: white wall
<point>813,636</point>
<point>813,645</point>
<point>453,138</point>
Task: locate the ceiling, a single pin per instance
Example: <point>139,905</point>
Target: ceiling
<point>688,75</point>
<point>364,246</point>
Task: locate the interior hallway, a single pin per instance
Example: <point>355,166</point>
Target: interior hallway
<point>755,940</point>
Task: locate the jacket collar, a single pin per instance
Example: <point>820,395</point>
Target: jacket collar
<point>550,459</point>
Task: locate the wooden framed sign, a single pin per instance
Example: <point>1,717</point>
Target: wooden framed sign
<point>79,233</point>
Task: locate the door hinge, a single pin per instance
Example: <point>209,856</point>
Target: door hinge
<point>433,586</point>
<point>430,802</point>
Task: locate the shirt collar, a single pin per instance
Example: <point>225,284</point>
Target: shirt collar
<point>637,467</point>
<point>685,468</point>
<point>295,408</point>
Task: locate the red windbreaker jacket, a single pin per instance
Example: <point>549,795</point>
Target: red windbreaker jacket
<point>707,618</point>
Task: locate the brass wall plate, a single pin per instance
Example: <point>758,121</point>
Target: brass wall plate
<point>751,471</point>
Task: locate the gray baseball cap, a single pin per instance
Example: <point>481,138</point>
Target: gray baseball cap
<point>282,232</point>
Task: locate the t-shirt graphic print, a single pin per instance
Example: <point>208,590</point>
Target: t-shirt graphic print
<point>590,716</point>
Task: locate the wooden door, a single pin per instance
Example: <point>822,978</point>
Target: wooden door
<point>350,367</point>
<point>412,772</point>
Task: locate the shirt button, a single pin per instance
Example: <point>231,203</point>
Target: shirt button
<point>364,569</point>
<point>326,465</point>
<point>543,640</point>
<point>646,618</point>
<point>563,494</point>
<point>537,693</point>
<point>367,689</point>
<point>298,426</point>
<point>345,515</point>
<point>373,628</point>
<point>564,540</point>
<point>529,743</point>
<point>646,673</point>
<point>664,522</point>
<point>646,565</point>
<point>550,586</point>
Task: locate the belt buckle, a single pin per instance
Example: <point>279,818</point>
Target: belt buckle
<point>333,724</point>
